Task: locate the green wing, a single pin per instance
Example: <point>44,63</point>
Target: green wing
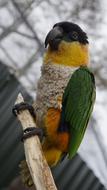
<point>77,106</point>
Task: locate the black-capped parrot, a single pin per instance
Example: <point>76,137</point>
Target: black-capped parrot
<point>65,93</point>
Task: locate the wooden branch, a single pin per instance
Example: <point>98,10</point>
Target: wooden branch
<point>36,161</point>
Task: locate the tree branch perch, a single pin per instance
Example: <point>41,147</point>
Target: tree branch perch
<point>36,161</point>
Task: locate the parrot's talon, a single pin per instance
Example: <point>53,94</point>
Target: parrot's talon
<point>32,131</point>
<point>23,106</point>
<point>14,111</point>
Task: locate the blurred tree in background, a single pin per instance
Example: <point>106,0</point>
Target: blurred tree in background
<point>24,24</point>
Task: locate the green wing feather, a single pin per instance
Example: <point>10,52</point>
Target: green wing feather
<point>77,106</point>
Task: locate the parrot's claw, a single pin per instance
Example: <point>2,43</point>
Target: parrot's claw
<point>23,106</point>
<point>32,131</point>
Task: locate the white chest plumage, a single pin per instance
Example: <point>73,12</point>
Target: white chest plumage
<point>51,86</point>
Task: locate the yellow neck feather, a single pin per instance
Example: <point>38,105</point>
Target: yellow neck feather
<point>68,54</point>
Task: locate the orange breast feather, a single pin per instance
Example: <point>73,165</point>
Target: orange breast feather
<point>52,122</point>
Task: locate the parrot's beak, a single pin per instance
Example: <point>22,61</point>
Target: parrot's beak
<point>54,37</point>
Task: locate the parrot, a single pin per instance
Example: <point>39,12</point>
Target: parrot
<point>65,93</point>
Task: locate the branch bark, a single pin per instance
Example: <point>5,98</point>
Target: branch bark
<point>36,161</point>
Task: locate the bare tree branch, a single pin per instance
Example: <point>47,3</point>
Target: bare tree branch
<point>24,34</point>
<point>8,56</point>
<point>17,22</point>
<point>25,68</point>
<point>27,23</point>
<point>39,169</point>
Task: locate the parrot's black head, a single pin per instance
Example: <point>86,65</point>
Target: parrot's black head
<point>66,31</point>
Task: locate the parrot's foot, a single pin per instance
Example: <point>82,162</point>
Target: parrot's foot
<point>32,131</point>
<point>24,106</point>
<point>25,174</point>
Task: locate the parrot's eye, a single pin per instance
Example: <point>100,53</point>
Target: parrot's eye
<point>75,35</point>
